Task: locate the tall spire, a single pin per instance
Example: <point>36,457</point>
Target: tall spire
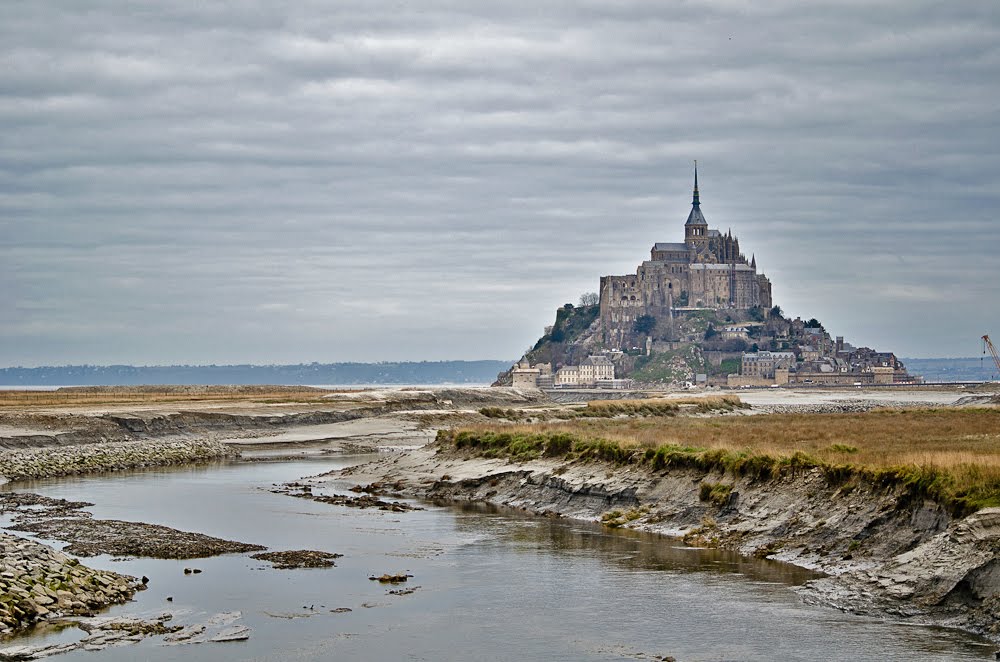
<point>695,218</point>
<point>696,202</point>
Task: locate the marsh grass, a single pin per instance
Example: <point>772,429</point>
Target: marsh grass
<point>111,395</point>
<point>659,406</point>
<point>949,455</point>
<point>621,408</point>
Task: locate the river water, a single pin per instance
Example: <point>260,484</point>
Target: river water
<point>493,584</point>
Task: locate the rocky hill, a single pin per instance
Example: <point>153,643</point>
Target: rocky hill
<point>672,350</point>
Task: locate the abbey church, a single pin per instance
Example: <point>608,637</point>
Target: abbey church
<point>707,270</point>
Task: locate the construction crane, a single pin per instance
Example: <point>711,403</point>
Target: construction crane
<point>988,345</point>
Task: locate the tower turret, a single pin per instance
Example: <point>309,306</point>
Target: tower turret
<point>696,228</point>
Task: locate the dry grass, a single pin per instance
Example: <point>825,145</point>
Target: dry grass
<point>938,437</point>
<point>956,450</point>
<point>75,396</point>
<point>660,406</point>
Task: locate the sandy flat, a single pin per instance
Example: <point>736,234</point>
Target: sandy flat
<point>382,429</point>
<point>781,396</point>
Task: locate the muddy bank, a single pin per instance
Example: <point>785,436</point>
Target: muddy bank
<point>886,553</point>
<point>74,424</point>
<point>66,521</point>
<point>37,582</point>
<point>78,439</point>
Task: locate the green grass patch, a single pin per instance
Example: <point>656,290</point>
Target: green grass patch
<point>714,493</point>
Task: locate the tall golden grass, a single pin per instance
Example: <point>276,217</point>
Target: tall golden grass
<point>959,448</point>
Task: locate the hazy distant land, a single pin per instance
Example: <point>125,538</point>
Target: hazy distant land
<point>412,372</point>
<point>415,372</point>
<point>970,369</point>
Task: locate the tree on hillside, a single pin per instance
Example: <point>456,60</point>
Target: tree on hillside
<point>644,324</point>
<point>814,324</point>
<point>777,312</point>
<point>589,299</point>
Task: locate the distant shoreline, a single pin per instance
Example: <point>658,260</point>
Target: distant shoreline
<point>340,375</point>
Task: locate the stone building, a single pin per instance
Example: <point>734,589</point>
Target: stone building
<point>568,375</point>
<point>707,270</point>
<point>763,364</point>
<point>526,375</point>
<point>593,369</point>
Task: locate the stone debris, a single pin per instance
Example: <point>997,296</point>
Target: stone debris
<point>51,462</point>
<point>301,491</point>
<point>38,583</point>
<point>300,558</point>
<point>103,632</point>
<point>835,407</point>
<point>218,628</point>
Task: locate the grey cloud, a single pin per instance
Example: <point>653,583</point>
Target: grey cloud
<point>225,181</point>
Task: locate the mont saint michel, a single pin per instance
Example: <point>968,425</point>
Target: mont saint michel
<point>697,312</point>
<point>705,271</point>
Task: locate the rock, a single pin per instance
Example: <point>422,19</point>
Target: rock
<point>233,633</point>
<point>390,579</point>
<point>29,568</point>
<point>302,558</point>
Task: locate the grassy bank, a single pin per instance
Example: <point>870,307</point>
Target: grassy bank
<point>951,456</point>
<point>614,408</point>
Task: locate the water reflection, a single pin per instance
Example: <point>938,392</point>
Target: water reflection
<point>630,549</point>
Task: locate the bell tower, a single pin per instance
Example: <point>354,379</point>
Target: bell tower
<point>696,228</point>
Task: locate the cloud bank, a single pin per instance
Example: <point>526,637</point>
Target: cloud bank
<point>229,182</point>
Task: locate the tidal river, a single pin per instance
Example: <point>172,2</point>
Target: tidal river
<point>490,585</point>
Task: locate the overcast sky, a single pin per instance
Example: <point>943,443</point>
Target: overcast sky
<point>216,182</point>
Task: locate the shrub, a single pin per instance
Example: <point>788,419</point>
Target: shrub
<point>715,493</point>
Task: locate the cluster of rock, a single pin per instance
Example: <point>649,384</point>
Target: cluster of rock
<point>37,581</point>
<point>835,407</point>
<point>303,491</point>
<point>107,631</point>
<point>51,462</point>
<point>298,558</point>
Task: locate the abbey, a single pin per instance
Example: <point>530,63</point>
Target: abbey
<point>706,271</point>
